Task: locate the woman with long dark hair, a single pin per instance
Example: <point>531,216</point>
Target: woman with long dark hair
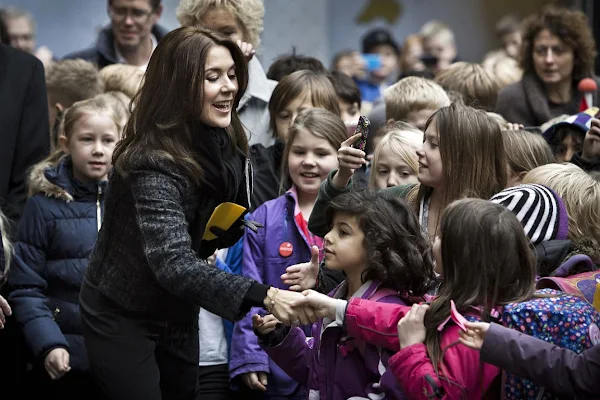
<point>184,152</point>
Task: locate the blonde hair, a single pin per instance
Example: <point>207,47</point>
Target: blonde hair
<point>499,119</point>
<point>120,104</point>
<point>69,81</point>
<point>101,104</point>
<point>7,247</point>
<point>249,13</point>
<point>526,151</point>
<point>434,28</point>
<point>320,123</point>
<point>503,68</point>
<point>413,94</point>
<point>581,195</point>
<point>122,78</point>
<point>403,141</point>
<point>478,88</point>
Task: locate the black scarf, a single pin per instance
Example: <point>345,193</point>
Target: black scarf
<point>223,164</point>
<point>223,176</point>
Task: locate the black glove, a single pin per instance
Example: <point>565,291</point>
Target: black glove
<point>229,237</point>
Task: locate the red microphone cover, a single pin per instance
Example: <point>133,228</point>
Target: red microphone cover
<point>587,85</point>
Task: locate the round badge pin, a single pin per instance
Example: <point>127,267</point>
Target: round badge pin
<point>286,249</point>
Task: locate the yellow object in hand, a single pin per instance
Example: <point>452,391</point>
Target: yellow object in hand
<point>223,217</point>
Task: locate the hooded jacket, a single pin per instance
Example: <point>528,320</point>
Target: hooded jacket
<point>263,262</point>
<point>335,366</point>
<point>56,235</point>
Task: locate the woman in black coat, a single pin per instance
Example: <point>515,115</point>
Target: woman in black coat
<point>184,152</point>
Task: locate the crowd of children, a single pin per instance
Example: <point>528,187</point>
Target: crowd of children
<point>455,257</point>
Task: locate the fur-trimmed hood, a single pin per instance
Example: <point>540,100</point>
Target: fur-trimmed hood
<point>56,180</point>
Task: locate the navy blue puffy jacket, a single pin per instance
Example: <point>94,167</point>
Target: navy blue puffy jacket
<point>56,235</point>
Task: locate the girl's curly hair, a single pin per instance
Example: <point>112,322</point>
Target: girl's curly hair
<point>572,27</point>
<point>398,254</point>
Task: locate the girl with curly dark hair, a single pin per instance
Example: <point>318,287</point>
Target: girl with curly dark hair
<point>558,51</point>
<point>375,238</point>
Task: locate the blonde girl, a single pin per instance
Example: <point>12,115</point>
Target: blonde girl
<point>395,161</point>
<point>524,151</point>
<point>56,235</point>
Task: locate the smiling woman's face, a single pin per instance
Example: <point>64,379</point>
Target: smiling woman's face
<point>220,87</point>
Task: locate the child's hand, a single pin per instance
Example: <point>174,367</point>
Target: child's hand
<point>212,260</point>
<point>591,143</point>
<point>411,329</point>
<point>475,336</point>
<point>255,380</point>
<point>303,276</point>
<point>247,49</point>
<point>57,363</point>
<point>5,311</point>
<point>321,305</point>
<point>264,325</point>
<point>349,160</point>
<point>510,126</point>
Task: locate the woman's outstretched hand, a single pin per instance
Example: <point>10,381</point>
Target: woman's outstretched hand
<point>475,336</point>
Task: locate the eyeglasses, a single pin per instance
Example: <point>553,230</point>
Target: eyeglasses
<point>119,14</point>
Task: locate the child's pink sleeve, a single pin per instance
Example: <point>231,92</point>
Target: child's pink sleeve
<point>460,376</point>
<point>374,322</point>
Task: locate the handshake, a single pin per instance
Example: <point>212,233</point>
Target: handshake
<point>295,309</point>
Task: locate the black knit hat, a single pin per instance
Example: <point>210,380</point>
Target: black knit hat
<point>378,37</point>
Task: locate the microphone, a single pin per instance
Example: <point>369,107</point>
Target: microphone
<point>588,87</point>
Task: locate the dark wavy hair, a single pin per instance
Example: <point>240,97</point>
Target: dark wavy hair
<point>572,27</point>
<point>398,253</point>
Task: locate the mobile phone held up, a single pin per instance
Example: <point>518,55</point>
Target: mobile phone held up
<point>372,61</point>
<point>363,127</point>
